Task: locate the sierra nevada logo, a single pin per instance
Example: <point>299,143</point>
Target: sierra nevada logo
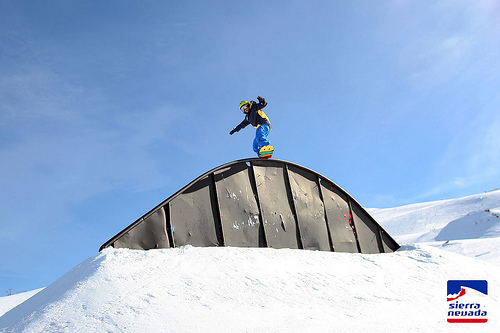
<point>467,301</point>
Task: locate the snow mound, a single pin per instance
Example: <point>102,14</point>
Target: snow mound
<point>483,224</point>
<point>228,289</point>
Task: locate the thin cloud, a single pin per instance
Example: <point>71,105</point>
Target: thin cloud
<point>436,44</point>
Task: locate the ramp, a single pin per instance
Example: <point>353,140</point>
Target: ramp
<point>259,203</point>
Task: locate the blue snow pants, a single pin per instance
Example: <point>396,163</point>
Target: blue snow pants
<point>261,137</point>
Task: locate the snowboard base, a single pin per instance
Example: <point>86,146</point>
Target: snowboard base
<point>266,152</point>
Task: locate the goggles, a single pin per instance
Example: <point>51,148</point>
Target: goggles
<point>244,107</point>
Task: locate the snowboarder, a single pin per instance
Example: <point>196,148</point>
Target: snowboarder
<point>257,118</point>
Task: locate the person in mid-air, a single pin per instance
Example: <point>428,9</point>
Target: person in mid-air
<point>257,118</point>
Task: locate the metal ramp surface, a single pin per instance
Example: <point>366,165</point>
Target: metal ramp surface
<point>259,203</point>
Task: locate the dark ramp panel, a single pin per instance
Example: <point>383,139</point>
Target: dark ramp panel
<point>149,233</point>
<point>309,209</point>
<point>389,244</point>
<point>279,221</point>
<point>368,230</point>
<point>338,213</point>
<point>259,203</point>
<point>238,206</point>
<point>192,215</point>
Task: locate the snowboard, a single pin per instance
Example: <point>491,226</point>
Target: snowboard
<point>266,152</point>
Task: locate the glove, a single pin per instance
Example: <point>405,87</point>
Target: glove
<point>232,132</point>
<point>260,99</point>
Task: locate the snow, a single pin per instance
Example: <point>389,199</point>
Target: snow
<point>227,289</point>
<point>194,289</point>
<point>410,222</point>
<point>482,249</point>
<point>7,303</point>
<point>469,226</point>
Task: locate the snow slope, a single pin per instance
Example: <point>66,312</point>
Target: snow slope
<point>9,302</point>
<point>266,290</point>
<point>468,226</point>
<point>423,222</point>
<point>193,289</point>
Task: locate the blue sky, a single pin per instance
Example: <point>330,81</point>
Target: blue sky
<point>109,107</point>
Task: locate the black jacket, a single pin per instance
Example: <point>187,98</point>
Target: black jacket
<point>254,117</point>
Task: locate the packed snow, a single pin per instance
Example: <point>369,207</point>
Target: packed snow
<point>225,289</point>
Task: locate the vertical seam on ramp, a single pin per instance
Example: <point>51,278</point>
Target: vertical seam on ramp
<point>253,183</point>
<point>216,210</point>
<point>321,197</point>
<point>291,201</point>
<point>351,220</point>
<point>168,224</point>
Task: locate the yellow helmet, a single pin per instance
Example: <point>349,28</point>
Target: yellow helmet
<point>242,103</point>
